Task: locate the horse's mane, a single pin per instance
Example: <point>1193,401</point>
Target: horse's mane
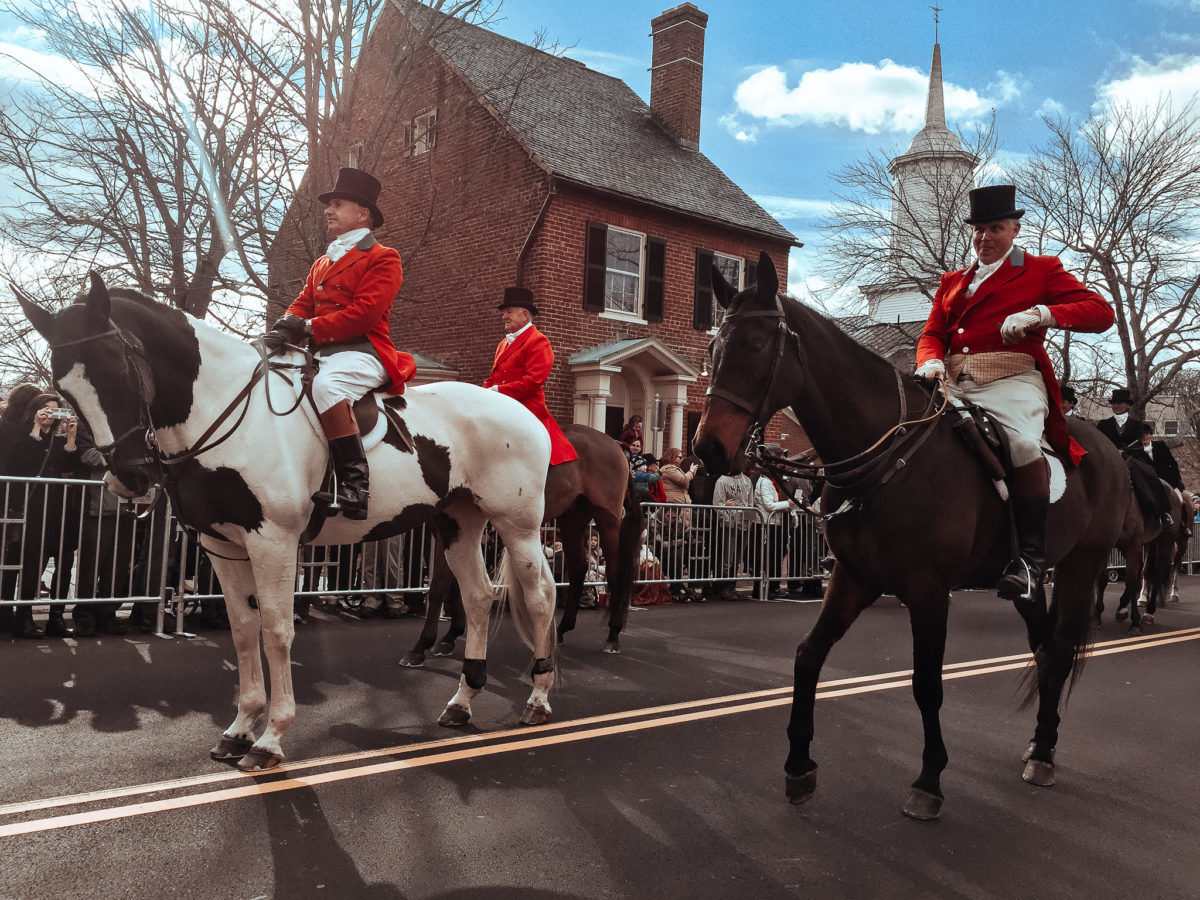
<point>831,331</point>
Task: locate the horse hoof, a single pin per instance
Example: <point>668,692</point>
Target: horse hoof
<point>442,648</point>
<point>413,660</point>
<point>1122,615</point>
<point>1039,772</point>
<point>454,715</point>
<point>230,748</point>
<point>1025,757</point>
<point>800,788</point>
<point>535,714</point>
<point>922,805</point>
<point>1135,627</point>
<point>1147,618</point>
<point>612,646</point>
<point>259,760</point>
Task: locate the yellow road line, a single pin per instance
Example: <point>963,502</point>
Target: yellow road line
<point>459,748</point>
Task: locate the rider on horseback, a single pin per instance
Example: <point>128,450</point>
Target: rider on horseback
<point>522,364</point>
<point>344,308</point>
<point>988,323</point>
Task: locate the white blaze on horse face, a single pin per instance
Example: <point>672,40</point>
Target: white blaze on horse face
<point>76,383</point>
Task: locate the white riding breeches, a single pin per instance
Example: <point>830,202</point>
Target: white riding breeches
<point>346,376</point>
<point>1019,403</point>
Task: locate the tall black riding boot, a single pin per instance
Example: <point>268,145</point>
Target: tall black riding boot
<point>349,464</point>
<point>1031,500</point>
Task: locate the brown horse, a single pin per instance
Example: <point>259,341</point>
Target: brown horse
<point>595,487</point>
<point>909,511</point>
<point>1150,550</point>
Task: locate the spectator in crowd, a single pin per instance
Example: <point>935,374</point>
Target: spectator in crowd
<point>656,492</point>
<point>731,544</point>
<point>776,514</point>
<point>676,523</point>
<point>383,571</point>
<point>596,569</point>
<point>1196,508</point>
<point>652,592</point>
<point>632,431</point>
<point>639,467</point>
<point>633,453</point>
<point>37,440</point>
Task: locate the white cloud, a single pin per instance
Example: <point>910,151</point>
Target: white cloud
<point>1051,108</point>
<point>23,64</point>
<point>746,133</point>
<point>1175,77</point>
<point>860,96</point>
<point>794,208</point>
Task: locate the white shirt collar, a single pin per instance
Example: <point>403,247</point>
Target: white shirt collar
<point>343,244</point>
<point>516,334</point>
<point>986,269</point>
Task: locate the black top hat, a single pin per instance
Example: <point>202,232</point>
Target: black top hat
<point>358,186</point>
<point>522,297</point>
<point>992,203</point>
<point>1120,395</point>
<point>1068,394</point>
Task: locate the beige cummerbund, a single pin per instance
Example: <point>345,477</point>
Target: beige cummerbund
<point>985,367</point>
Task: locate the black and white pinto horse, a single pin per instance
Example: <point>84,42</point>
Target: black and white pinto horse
<point>151,382</point>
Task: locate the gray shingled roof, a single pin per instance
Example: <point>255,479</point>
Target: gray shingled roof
<point>592,129</point>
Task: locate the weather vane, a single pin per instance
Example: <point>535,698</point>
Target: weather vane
<point>937,11</point>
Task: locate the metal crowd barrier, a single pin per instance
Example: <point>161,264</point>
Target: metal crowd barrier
<point>71,541</point>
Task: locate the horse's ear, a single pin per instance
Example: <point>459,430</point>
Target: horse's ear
<point>722,289</point>
<point>42,320</point>
<point>768,280</point>
<point>99,306</point>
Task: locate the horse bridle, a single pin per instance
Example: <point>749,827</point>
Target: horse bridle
<point>135,357</point>
<point>835,472</point>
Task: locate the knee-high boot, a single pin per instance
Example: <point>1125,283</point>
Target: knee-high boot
<point>349,464</point>
<point>1030,500</point>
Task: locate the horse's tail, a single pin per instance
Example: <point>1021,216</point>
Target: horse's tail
<point>513,592</point>
<point>629,544</point>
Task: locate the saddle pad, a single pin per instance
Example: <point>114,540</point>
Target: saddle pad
<point>375,435</point>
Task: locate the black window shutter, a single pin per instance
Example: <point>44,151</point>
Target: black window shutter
<point>656,270</point>
<point>751,272</point>
<point>596,258</point>
<point>702,310</point>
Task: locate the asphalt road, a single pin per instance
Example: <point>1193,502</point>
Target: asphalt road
<point>660,774</point>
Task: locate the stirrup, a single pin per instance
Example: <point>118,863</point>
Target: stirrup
<point>1028,592</point>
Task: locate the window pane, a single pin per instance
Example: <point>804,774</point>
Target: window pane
<point>621,293</point>
<point>624,251</point>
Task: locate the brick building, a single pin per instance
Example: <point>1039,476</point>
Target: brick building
<point>503,165</point>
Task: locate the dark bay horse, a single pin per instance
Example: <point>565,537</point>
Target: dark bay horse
<point>596,487</point>
<point>1150,550</point>
<point>909,512</point>
<point>160,391</point>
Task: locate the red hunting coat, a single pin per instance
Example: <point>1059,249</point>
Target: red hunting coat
<point>519,371</point>
<point>961,324</point>
<point>351,298</point>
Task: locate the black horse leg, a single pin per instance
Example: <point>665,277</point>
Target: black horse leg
<point>927,615</point>
<point>574,538</point>
<point>1101,584</point>
<point>844,600</point>
<point>1064,637</point>
<point>443,593</point>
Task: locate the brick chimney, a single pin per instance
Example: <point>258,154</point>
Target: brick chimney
<point>677,70</point>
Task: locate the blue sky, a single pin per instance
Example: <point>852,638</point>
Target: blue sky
<point>794,89</point>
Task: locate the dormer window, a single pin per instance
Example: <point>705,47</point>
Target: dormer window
<point>420,135</point>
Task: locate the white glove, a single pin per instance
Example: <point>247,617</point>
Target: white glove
<point>1017,324</point>
<point>931,370</point>
<point>494,388</point>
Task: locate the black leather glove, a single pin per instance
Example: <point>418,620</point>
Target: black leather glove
<point>286,330</point>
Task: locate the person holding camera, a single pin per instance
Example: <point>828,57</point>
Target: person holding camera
<point>37,440</point>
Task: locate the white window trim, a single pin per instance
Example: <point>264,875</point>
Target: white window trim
<point>420,143</point>
<point>741,281</point>
<point>640,314</point>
